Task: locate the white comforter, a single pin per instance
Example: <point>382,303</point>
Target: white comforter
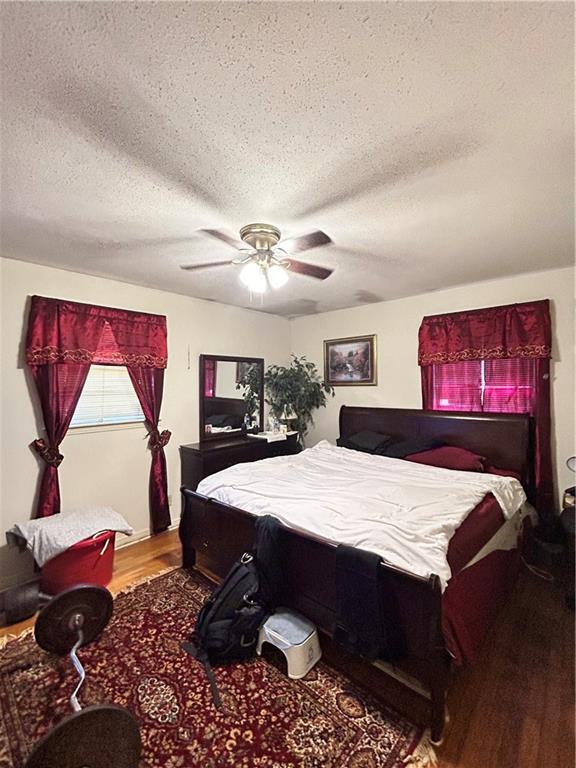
<point>402,511</point>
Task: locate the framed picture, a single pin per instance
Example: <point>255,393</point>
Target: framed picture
<point>241,371</point>
<point>350,361</point>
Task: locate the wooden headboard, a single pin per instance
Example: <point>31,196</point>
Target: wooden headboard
<point>505,439</point>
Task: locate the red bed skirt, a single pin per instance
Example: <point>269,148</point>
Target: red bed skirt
<point>466,622</point>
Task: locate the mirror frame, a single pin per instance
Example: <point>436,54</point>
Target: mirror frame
<point>209,436</point>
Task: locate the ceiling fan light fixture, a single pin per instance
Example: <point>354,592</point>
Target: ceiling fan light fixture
<point>277,275</point>
<point>252,275</point>
<point>266,262</point>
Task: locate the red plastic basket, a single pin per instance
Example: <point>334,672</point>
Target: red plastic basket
<point>88,562</point>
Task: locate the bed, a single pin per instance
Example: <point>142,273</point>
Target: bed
<point>441,623</point>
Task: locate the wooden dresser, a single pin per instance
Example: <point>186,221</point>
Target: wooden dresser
<point>198,460</point>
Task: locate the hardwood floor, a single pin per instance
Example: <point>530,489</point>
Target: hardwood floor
<point>514,709</point>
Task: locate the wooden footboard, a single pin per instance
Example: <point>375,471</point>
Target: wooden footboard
<point>214,535</point>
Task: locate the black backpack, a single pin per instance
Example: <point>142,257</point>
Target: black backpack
<point>227,626</point>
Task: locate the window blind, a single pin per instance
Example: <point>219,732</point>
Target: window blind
<point>108,397</point>
<point>499,386</point>
<point>458,386</point>
<point>509,385</point>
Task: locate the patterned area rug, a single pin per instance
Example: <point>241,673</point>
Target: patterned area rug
<point>322,721</point>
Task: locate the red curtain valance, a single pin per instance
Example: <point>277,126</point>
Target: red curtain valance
<point>67,331</point>
<point>513,330</point>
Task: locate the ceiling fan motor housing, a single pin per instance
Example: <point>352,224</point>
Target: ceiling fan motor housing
<point>262,237</point>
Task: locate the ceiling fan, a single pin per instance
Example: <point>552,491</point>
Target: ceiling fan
<point>267,259</point>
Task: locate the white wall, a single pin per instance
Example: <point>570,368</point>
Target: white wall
<point>396,324</point>
<point>110,466</point>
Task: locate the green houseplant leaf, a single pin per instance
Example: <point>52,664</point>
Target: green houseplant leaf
<point>250,386</point>
<point>298,388</point>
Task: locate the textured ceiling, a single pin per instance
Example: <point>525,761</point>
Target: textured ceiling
<point>433,142</point>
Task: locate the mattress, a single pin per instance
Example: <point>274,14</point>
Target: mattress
<point>405,512</point>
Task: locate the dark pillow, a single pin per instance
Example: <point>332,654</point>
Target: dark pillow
<point>231,420</point>
<point>217,420</point>
<point>402,448</point>
<point>450,457</point>
<point>364,441</point>
<point>490,470</point>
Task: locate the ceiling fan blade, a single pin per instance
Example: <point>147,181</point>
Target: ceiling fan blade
<point>208,265</point>
<point>219,235</point>
<point>311,270</point>
<point>304,242</point>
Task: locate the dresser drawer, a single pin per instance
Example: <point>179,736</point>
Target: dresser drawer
<point>218,460</point>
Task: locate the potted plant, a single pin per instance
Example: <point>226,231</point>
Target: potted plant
<point>250,386</point>
<point>296,388</point>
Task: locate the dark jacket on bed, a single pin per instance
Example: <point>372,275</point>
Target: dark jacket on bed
<point>367,621</point>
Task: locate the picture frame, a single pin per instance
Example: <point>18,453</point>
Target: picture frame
<point>241,371</point>
<point>351,361</point>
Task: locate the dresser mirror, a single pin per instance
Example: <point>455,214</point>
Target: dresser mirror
<point>231,396</point>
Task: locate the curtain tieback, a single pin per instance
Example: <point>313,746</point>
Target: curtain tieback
<point>50,454</point>
<point>158,440</point>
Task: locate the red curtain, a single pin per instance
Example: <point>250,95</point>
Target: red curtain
<point>59,388</point>
<point>514,330</point>
<point>148,384</point>
<point>64,338</point>
<point>545,501</point>
<point>209,378</point>
<point>67,331</point>
<point>514,341</point>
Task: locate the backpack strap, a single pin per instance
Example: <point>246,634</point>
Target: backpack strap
<point>213,684</point>
<point>202,657</point>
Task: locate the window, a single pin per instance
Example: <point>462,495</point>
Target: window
<point>108,397</point>
<point>451,348</point>
<point>501,386</point>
